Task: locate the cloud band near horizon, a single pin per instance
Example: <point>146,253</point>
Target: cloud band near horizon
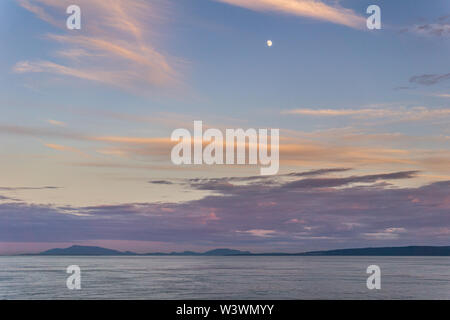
<point>283,213</point>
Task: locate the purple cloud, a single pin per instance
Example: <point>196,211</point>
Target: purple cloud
<point>304,214</point>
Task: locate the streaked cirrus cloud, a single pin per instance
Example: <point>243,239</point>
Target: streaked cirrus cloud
<point>345,149</point>
<point>117,44</point>
<point>66,148</point>
<point>304,8</point>
<point>398,113</point>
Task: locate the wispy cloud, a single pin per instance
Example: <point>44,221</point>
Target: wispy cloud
<point>293,181</point>
<point>56,123</point>
<point>40,12</point>
<point>304,8</point>
<point>343,149</point>
<point>336,112</point>
<point>399,113</point>
<point>160,182</point>
<point>66,148</point>
<point>339,182</point>
<point>103,76</point>
<point>116,45</point>
<point>439,28</point>
<point>441,95</point>
<point>28,188</point>
<point>429,79</point>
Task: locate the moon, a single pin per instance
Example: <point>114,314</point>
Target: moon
<point>269,43</point>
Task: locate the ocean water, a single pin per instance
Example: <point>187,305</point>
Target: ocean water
<point>224,278</point>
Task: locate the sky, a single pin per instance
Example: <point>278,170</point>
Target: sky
<point>87,115</point>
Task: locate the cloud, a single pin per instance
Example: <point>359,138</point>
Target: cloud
<point>441,95</point>
<point>66,148</point>
<point>429,79</point>
<point>40,12</point>
<point>317,10</point>
<point>403,88</point>
<point>260,215</point>
<point>399,113</point>
<point>227,180</point>
<point>228,184</point>
<point>439,28</point>
<point>224,183</point>
<point>160,182</point>
<point>56,123</point>
<point>317,172</point>
<point>311,150</point>
<point>9,199</point>
<point>116,46</point>
<point>258,232</point>
<point>103,76</point>
<point>41,132</point>
<point>391,233</point>
<point>28,188</point>
<point>337,182</point>
<point>336,112</point>
<point>436,29</point>
<point>123,145</point>
<point>381,236</point>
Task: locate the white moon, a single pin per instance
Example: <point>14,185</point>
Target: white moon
<point>269,43</point>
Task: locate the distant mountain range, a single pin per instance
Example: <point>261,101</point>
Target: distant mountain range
<point>85,251</point>
<point>382,251</point>
<point>99,251</point>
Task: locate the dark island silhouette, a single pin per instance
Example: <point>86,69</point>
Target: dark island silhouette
<point>77,250</point>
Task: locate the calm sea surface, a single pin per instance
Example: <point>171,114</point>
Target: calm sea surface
<point>225,278</point>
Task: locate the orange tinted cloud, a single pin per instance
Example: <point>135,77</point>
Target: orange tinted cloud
<point>313,150</point>
<point>304,8</point>
<point>116,44</point>
<point>399,113</point>
<point>65,148</point>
